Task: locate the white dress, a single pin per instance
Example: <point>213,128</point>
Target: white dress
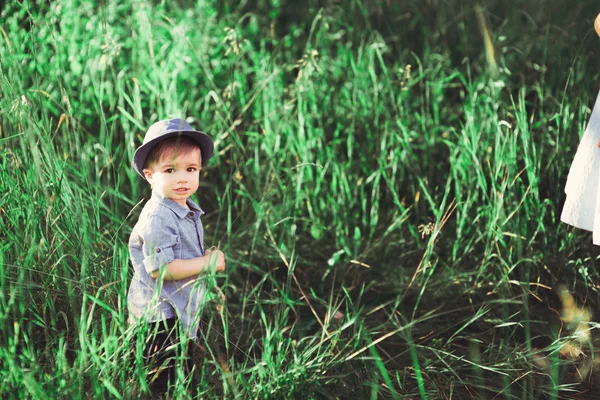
<point>582,208</point>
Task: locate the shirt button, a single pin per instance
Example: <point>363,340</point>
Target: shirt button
<point>158,250</point>
<point>191,214</point>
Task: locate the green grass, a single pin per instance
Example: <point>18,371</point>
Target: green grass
<point>388,205</point>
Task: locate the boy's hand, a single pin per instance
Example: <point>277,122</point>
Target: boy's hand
<point>220,258</point>
<point>597,24</point>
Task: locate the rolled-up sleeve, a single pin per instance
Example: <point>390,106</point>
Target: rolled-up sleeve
<point>159,236</point>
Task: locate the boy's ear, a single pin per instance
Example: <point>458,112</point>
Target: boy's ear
<point>148,174</point>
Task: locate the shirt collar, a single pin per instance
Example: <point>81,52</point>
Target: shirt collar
<point>177,208</point>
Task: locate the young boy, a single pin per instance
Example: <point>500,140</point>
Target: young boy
<point>166,245</point>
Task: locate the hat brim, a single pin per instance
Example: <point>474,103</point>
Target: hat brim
<point>205,143</point>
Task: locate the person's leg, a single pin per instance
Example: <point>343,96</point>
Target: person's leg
<point>159,357</point>
<point>187,361</point>
<point>161,354</point>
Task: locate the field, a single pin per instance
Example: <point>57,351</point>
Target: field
<point>387,186</point>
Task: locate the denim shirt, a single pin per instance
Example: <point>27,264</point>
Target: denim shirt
<point>166,230</point>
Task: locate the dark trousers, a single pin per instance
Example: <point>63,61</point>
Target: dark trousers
<point>160,352</point>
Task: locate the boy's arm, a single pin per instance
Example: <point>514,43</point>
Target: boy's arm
<point>181,269</point>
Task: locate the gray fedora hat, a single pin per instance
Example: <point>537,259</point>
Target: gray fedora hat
<point>165,129</point>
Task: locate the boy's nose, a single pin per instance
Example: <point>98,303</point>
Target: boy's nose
<point>181,177</point>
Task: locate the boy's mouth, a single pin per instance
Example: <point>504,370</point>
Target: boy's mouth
<point>181,190</point>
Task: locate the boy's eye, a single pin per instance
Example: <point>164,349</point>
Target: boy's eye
<point>192,169</point>
<point>169,170</point>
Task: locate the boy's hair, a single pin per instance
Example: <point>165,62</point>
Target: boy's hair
<point>173,146</point>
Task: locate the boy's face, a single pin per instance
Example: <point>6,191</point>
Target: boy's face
<point>176,176</point>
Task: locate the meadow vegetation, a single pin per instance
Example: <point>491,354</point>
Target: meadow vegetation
<point>387,186</point>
